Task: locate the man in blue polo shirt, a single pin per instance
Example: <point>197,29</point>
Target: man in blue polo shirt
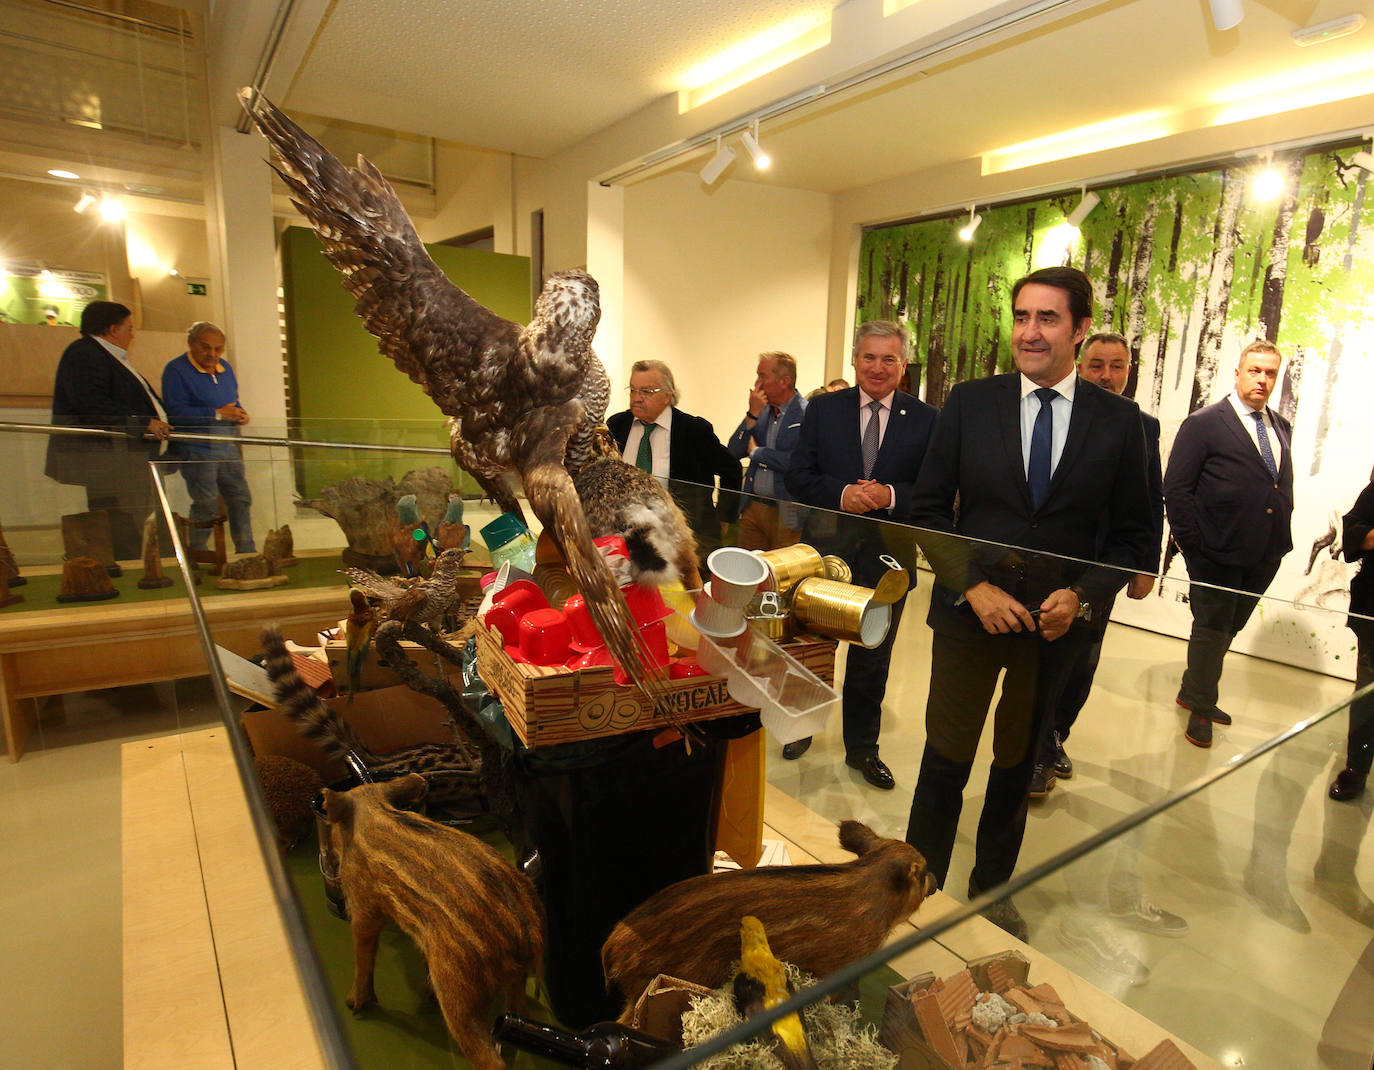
<point>202,396</point>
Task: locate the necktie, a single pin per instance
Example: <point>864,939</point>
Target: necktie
<point>645,457</point>
<point>870,440</point>
<point>1042,437</point>
<point>1266,451</point>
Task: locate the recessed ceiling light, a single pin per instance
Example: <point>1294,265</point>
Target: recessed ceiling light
<point>1328,31</point>
<point>58,172</point>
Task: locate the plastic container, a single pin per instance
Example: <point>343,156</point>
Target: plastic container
<point>793,702</point>
<point>508,539</point>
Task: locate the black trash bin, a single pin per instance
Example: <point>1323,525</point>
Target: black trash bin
<point>612,822</point>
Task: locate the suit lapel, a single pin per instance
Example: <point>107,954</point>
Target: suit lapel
<point>1081,416</point>
<point>1232,420</point>
<point>1009,420</point>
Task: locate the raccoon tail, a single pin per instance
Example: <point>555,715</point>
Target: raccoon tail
<point>299,701</point>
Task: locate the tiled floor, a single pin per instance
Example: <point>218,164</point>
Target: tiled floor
<point>1260,980</point>
<point>1263,977</point>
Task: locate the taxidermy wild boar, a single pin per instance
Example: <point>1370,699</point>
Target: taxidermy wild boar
<point>473,915</point>
<point>818,918</point>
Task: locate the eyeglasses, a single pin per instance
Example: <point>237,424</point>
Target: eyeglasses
<point>642,393</point>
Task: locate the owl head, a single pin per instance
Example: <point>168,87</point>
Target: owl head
<point>570,301</point>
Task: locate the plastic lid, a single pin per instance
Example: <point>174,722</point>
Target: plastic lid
<point>500,531</point>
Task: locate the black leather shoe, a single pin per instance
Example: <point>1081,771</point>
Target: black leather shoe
<point>1199,730</point>
<point>794,750</point>
<point>874,771</point>
<point>1212,713</point>
<point>1349,784</point>
<point>1003,914</point>
<point>1062,764</point>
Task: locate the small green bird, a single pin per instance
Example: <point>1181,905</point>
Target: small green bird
<point>358,628</point>
<point>761,984</point>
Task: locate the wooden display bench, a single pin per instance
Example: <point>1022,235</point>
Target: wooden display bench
<point>209,980</point>
<point>83,648</point>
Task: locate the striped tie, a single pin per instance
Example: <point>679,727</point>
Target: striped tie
<point>870,442</point>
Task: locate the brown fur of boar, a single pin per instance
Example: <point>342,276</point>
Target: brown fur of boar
<point>817,917</point>
<point>473,915</point>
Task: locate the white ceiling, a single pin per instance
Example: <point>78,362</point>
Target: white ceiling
<point>533,77</point>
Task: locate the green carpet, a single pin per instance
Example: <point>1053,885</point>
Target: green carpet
<point>404,1029</point>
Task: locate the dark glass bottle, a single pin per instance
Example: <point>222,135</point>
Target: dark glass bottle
<point>607,1045</point>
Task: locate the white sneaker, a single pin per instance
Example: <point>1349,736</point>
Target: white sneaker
<point>1148,918</point>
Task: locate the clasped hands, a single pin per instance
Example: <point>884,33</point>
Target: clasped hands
<point>1001,614</point>
<point>232,414</point>
<point>865,496</point>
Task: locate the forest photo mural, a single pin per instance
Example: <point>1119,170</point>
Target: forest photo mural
<point>1189,267</point>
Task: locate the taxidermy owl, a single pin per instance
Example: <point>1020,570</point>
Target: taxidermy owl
<point>522,401</point>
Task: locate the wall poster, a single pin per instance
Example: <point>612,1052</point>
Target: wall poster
<point>1189,267</point>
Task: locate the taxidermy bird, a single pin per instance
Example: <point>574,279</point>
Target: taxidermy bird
<point>424,601</point>
<point>522,401</point>
<point>453,534</point>
<point>410,537</point>
<point>358,628</point>
<point>761,984</point>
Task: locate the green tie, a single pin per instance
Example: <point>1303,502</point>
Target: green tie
<point>645,457</point>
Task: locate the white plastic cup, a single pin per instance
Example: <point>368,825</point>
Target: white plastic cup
<point>736,576</point>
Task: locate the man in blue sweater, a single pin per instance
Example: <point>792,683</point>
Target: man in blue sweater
<point>202,397</point>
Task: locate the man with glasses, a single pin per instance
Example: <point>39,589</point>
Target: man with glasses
<point>657,436</point>
<point>767,435</point>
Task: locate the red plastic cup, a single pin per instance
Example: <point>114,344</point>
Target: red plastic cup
<point>544,635</point>
<point>508,607</point>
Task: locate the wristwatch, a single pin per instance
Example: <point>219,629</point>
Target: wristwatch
<point>1085,609</point>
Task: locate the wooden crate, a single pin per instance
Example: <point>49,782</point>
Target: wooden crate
<point>547,705</point>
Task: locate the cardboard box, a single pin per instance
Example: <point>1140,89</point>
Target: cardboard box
<point>384,719</point>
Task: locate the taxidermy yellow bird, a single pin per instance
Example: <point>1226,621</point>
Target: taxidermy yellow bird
<point>761,984</point>
<point>522,401</point>
<point>358,628</point>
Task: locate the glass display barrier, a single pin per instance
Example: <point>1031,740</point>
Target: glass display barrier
<point>1186,850</point>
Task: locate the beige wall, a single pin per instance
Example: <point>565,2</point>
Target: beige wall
<point>712,279</point>
<point>473,190</point>
<point>41,228</point>
<point>157,242</point>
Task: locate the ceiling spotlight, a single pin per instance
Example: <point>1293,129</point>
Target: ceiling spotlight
<point>111,209</point>
<point>1325,31</point>
<point>1226,13</point>
<point>967,231</point>
<point>723,158</point>
<point>173,272</point>
<point>750,140</point>
<point>84,202</point>
<point>58,172</point>
<point>1089,201</point>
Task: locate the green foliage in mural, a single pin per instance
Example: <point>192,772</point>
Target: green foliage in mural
<point>1188,267</point>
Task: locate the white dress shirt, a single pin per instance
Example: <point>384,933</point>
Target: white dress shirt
<point>1247,421</point>
<point>1061,408</point>
<point>658,442</point>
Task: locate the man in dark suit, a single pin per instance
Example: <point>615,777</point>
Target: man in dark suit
<point>1104,359</point>
<point>767,435</point>
<point>860,450</point>
<point>656,435</point>
<point>1038,460</point>
<point>96,386</point>
<point>1228,491</point>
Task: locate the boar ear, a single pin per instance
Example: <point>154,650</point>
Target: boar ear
<point>857,837</point>
<point>338,806</point>
<point>406,790</point>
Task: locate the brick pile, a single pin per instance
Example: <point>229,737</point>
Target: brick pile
<point>1009,1025</point>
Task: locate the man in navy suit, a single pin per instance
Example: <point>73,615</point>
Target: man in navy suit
<point>859,453</point>
<point>679,447</point>
<point>1041,463</point>
<point>1104,359</point>
<point>1228,491</point>
<point>96,386</point>
<point>767,435</point>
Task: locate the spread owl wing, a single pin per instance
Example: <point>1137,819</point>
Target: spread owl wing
<point>430,328</point>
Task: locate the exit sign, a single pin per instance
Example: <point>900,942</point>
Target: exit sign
<point>198,289</point>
